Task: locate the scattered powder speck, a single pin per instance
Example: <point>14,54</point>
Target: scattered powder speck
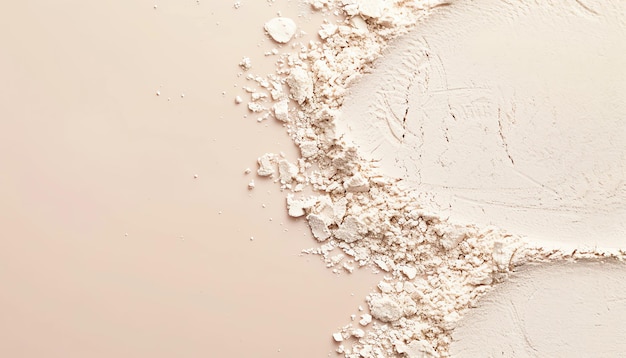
<point>434,270</point>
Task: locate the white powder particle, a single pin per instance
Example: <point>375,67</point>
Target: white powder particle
<point>281,29</point>
<point>281,110</point>
<point>385,308</point>
<point>319,227</point>
<point>287,171</point>
<point>245,63</point>
<point>267,165</point>
<point>372,8</point>
<point>297,207</point>
<point>410,272</point>
<point>417,349</point>
<point>358,333</point>
<point>300,84</point>
<point>255,107</point>
<point>327,30</point>
<point>365,319</point>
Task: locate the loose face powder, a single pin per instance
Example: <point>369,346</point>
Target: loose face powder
<point>482,124</point>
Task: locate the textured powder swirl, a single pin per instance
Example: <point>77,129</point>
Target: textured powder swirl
<point>434,270</point>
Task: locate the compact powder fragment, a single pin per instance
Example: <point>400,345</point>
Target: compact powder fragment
<point>281,29</point>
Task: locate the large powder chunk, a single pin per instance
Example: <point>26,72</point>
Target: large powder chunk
<point>319,228</point>
<point>385,308</point>
<point>417,349</point>
<point>281,29</point>
<point>350,230</point>
<point>301,85</point>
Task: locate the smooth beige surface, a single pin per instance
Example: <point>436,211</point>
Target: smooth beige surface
<point>108,245</point>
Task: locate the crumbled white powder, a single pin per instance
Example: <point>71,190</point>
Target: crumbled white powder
<point>287,171</point>
<point>337,337</point>
<point>267,165</point>
<point>298,207</point>
<point>319,227</point>
<point>300,84</point>
<point>245,63</point>
<point>434,270</point>
<point>281,29</point>
<point>281,110</point>
<point>327,30</point>
<point>365,319</point>
<point>358,333</point>
<point>256,107</point>
<point>258,96</point>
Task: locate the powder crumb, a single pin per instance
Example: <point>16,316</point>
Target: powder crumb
<point>298,207</point>
<point>287,171</point>
<point>281,110</point>
<point>237,5</point>
<point>281,29</point>
<point>358,333</point>
<point>255,107</point>
<point>245,63</point>
<point>327,30</point>
<point>319,227</point>
<point>238,99</point>
<point>251,184</point>
<point>384,308</point>
<point>258,96</point>
<point>337,337</point>
<point>409,272</point>
<point>417,349</point>
<point>267,165</point>
<point>300,84</point>
<point>365,318</point>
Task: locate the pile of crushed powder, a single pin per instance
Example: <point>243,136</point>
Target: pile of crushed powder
<point>434,270</point>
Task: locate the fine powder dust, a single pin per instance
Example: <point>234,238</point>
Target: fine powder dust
<point>434,270</point>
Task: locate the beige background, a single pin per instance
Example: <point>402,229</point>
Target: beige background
<point>108,245</point>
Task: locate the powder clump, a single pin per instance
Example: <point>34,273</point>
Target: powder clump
<point>281,29</point>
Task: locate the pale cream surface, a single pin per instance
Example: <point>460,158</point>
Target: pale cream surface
<point>553,310</point>
<point>109,246</point>
<point>507,113</point>
<point>513,114</point>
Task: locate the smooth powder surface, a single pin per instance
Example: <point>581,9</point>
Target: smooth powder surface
<point>511,114</point>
